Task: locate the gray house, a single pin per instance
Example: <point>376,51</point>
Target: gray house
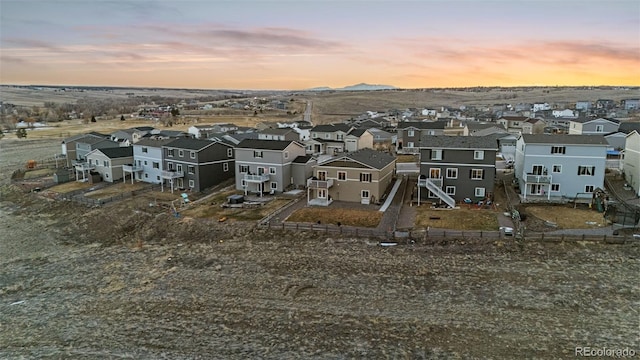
<point>286,133</point>
<point>264,166</point>
<point>147,160</point>
<point>599,126</point>
<point>88,144</point>
<point>196,164</point>
<point>69,145</point>
<point>410,133</point>
<point>108,162</point>
<point>455,168</point>
<point>560,167</point>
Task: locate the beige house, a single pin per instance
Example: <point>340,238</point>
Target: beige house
<point>362,176</point>
<point>631,162</point>
<point>358,139</point>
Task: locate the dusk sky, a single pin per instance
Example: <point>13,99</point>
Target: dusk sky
<point>304,44</point>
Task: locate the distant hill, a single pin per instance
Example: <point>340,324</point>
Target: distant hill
<point>357,87</point>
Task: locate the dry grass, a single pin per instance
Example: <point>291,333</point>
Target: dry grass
<point>70,186</point>
<point>407,158</point>
<point>457,219</point>
<point>114,190</point>
<point>31,174</point>
<point>214,210</point>
<point>349,217</point>
<point>567,217</point>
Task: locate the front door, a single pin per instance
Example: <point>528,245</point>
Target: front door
<point>322,175</point>
<point>537,169</point>
<point>179,183</point>
<point>536,189</point>
<point>434,173</point>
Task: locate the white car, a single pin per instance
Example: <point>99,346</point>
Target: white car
<point>508,231</point>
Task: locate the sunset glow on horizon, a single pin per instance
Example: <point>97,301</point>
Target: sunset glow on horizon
<point>305,44</point>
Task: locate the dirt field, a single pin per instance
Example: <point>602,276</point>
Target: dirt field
<point>566,217</point>
<point>80,283</point>
<point>459,219</point>
<point>348,217</point>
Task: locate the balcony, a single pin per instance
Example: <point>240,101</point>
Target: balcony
<point>436,181</point>
<point>83,166</point>
<point>537,179</point>
<point>319,184</point>
<point>253,178</point>
<point>131,168</point>
<point>172,174</point>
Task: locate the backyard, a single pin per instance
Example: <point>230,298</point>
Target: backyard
<point>332,215</point>
<point>565,217</point>
<point>456,219</point>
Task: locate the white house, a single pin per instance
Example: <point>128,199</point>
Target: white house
<point>631,162</point>
<point>147,160</point>
<point>566,113</point>
<point>540,107</point>
<point>560,167</point>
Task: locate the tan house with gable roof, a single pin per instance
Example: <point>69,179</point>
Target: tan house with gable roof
<point>362,176</point>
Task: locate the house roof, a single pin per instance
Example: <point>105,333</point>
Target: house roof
<point>264,144</point>
<point>586,120</point>
<point>564,139</point>
<point>277,131</point>
<point>459,142</point>
<point>514,118</point>
<point>81,136</point>
<point>331,128</point>
<point>369,157</point>
<point>117,152</point>
<point>302,159</point>
<point>237,138</point>
<point>153,142</point>
<point>422,124</point>
<point>627,127</point>
<point>357,132</point>
<point>190,144</point>
<point>93,140</point>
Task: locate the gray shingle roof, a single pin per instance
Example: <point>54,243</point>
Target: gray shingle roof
<point>627,127</point>
<point>190,144</point>
<point>118,152</point>
<point>331,128</point>
<point>153,142</point>
<point>422,124</point>
<point>302,159</point>
<point>373,158</point>
<point>564,139</point>
<point>585,120</point>
<point>264,144</point>
<point>488,142</point>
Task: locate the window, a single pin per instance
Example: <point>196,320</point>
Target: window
<point>478,155</point>
<point>450,190</point>
<point>144,149</point>
<point>599,128</point>
<point>365,177</point>
<point>243,183</point>
<point>179,168</point>
<point>322,175</point>
<point>452,173</point>
<point>225,166</point>
<point>479,191</point>
<point>556,169</point>
<point>322,193</point>
<point>192,169</point>
<point>558,150</point>
<point>243,169</point>
<point>274,185</point>
<point>364,194</point>
<point>257,154</point>
<point>170,152</point>
<point>327,136</point>
<point>342,175</point>
<point>192,183</point>
<point>409,144</point>
<point>477,174</point>
<point>586,170</point>
<point>555,187</point>
<point>410,133</point>
<point>156,165</point>
<point>181,153</point>
<point>158,177</point>
<point>286,154</point>
<point>436,154</point>
<point>146,176</point>
<point>229,152</point>
<point>170,166</point>
<point>272,170</point>
<point>145,162</point>
<point>193,154</point>
<point>588,188</point>
<point>106,163</point>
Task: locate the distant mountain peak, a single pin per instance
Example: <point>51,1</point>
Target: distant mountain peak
<point>356,87</point>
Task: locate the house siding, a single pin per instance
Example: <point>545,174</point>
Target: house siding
<point>270,158</point>
<point>208,165</point>
<point>153,154</point>
<point>631,163</point>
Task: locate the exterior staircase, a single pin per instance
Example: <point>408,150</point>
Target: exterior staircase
<point>437,190</point>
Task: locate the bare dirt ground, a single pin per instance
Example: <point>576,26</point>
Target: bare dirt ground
<point>117,282</point>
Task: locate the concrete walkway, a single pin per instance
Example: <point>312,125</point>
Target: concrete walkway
<point>393,192</point>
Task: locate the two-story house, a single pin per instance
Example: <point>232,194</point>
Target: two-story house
<point>362,176</point>
<point>329,139</point>
<point>147,160</point>
<point>587,126</point>
<point>455,168</point>
<point>410,133</point>
<point>282,134</point>
<point>197,164</point>
<point>560,167</point>
<point>108,162</point>
<point>631,161</point>
<point>87,144</point>
<point>630,104</point>
<point>264,166</point>
<point>358,139</point>
<point>132,135</point>
<point>69,145</point>
<point>522,124</point>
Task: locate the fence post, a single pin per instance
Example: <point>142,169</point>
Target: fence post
<point>582,237</point>
<point>326,229</point>
<point>562,238</point>
<point>542,237</point>
<point>283,226</point>
<point>480,234</point>
<point>356,232</point>
<point>605,238</point>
